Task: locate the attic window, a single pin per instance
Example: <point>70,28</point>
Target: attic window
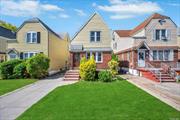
<point>31,37</point>
<point>95,36</point>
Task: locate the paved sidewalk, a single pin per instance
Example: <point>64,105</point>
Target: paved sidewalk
<point>166,92</point>
<point>14,104</point>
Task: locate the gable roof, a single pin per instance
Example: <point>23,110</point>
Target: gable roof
<point>7,33</point>
<point>124,33</point>
<point>86,24</point>
<point>37,20</point>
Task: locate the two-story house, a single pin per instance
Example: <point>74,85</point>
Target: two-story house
<point>5,35</point>
<point>94,38</point>
<point>151,44</point>
<point>34,37</point>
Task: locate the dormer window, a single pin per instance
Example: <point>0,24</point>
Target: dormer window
<point>95,36</point>
<point>31,37</point>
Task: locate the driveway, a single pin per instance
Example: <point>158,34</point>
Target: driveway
<point>166,92</point>
<point>14,104</point>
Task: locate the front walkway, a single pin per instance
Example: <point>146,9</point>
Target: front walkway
<point>166,92</point>
<point>14,104</point>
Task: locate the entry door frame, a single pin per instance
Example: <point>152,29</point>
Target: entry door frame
<point>141,63</point>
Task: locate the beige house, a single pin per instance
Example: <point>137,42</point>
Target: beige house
<point>5,35</point>
<point>94,38</point>
<point>34,37</point>
<point>152,44</point>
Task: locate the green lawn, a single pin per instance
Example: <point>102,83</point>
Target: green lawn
<point>100,101</point>
<point>10,85</point>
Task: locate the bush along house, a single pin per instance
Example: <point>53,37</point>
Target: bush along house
<point>150,49</point>
<point>34,37</point>
<point>94,38</point>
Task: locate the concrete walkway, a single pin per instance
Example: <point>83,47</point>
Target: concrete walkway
<point>166,92</point>
<point>14,104</point>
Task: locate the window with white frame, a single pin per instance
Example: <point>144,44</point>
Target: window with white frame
<point>31,37</point>
<point>160,34</point>
<point>12,55</point>
<point>115,45</point>
<point>95,36</point>
<point>162,55</point>
<point>97,56</point>
<point>27,55</point>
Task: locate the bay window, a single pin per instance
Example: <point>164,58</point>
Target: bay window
<point>162,55</point>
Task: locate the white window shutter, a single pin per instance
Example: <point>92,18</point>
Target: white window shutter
<point>169,34</point>
<point>151,55</point>
<point>154,35</point>
<point>171,57</point>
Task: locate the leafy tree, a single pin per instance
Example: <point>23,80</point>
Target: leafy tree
<point>8,26</point>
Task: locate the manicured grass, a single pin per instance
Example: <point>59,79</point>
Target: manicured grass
<point>100,101</point>
<point>10,85</point>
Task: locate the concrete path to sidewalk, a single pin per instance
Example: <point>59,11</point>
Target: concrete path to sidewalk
<point>166,92</point>
<point>14,104</point>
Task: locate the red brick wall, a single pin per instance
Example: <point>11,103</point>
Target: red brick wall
<point>103,65</point>
<point>106,59</point>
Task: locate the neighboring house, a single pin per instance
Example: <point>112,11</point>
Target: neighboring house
<point>94,38</point>
<point>5,35</point>
<point>178,38</point>
<point>34,37</point>
<point>151,44</point>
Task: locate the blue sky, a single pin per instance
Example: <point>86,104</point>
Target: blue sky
<point>70,15</point>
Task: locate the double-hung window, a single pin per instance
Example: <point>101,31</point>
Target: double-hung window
<point>31,37</point>
<point>95,36</point>
<point>97,56</point>
<point>160,34</point>
<point>27,55</point>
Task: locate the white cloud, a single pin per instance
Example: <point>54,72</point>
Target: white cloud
<point>22,8</point>
<point>64,15</point>
<point>121,16</point>
<point>80,12</point>
<point>129,8</point>
<point>49,7</point>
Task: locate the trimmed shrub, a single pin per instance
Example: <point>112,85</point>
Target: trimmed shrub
<point>37,66</point>
<point>105,76</point>
<point>20,70</point>
<point>113,65</point>
<point>6,68</point>
<point>88,69</point>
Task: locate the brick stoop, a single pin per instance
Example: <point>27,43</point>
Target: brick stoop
<point>72,75</point>
<point>165,77</point>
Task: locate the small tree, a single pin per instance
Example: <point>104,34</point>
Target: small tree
<point>113,66</point>
<point>20,70</point>
<point>88,69</point>
<point>6,68</point>
<point>37,66</point>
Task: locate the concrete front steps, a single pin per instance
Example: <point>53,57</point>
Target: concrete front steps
<point>165,77</point>
<point>72,75</point>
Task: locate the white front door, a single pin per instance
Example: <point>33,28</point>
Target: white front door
<point>141,58</point>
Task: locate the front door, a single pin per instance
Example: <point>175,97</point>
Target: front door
<point>76,59</point>
<point>141,58</point>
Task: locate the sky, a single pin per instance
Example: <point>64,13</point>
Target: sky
<point>70,15</point>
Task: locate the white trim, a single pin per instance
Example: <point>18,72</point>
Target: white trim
<point>96,56</point>
<point>31,37</point>
<point>8,39</point>
<point>28,53</point>
<point>171,54</point>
